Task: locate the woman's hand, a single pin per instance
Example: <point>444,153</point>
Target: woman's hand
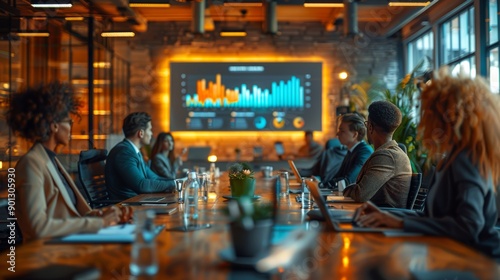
<point>114,214</point>
<point>369,215</point>
<point>178,161</point>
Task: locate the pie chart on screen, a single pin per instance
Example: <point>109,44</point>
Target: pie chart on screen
<point>279,122</point>
<point>298,122</point>
<point>260,122</point>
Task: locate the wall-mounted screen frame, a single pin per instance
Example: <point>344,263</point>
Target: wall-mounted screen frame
<point>249,96</point>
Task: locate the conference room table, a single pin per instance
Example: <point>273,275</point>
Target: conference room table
<point>196,254</point>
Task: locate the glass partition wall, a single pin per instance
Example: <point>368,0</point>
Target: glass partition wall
<point>100,80</point>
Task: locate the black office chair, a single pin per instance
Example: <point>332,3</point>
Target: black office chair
<point>403,147</point>
<point>415,184</point>
<point>91,167</point>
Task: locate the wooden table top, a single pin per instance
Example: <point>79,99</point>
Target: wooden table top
<point>195,255</point>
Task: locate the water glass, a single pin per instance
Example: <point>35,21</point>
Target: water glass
<point>267,171</point>
<point>178,187</point>
<point>203,191</point>
<point>143,258</point>
<point>341,186</point>
<point>284,183</point>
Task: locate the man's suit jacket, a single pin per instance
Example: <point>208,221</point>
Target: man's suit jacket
<point>43,206</point>
<point>160,165</point>
<point>461,205</point>
<point>127,175</point>
<point>352,164</point>
<point>384,178</point>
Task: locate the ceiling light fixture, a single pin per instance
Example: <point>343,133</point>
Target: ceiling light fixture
<point>243,4</point>
<point>324,4</point>
<point>33,34</point>
<point>74,18</point>
<point>402,3</point>
<point>149,3</point>
<point>51,3</point>
<point>117,34</point>
<point>233,33</point>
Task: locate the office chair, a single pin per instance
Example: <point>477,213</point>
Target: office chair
<point>415,183</point>
<point>91,167</point>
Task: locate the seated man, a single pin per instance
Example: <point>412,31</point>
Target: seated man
<point>310,149</point>
<point>385,177</point>
<point>126,173</point>
<point>352,131</point>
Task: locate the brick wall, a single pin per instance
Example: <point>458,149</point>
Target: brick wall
<point>362,57</point>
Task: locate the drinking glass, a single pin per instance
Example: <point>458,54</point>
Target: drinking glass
<point>203,191</point>
<point>284,183</point>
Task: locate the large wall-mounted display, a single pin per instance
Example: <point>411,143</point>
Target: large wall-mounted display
<point>284,96</point>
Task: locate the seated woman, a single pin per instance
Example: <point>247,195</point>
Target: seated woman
<point>460,126</point>
<point>48,202</point>
<point>163,159</point>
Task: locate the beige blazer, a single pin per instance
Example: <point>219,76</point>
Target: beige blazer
<point>43,207</point>
<point>384,179</point>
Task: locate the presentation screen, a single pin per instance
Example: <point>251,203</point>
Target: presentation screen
<point>284,96</point>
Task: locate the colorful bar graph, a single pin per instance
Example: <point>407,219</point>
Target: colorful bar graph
<point>214,94</point>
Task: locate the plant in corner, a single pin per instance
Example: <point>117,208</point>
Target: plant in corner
<point>250,226</point>
<point>241,179</point>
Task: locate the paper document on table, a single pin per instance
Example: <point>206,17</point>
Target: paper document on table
<point>113,234</point>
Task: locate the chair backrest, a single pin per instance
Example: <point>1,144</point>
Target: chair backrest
<point>91,166</point>
<point>415,183</point>
<point>403,147</point>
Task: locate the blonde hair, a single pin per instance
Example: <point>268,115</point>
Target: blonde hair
<point>460,113</point>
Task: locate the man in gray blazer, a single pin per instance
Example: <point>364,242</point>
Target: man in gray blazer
<point>126,173</point>
<point>385,176</point>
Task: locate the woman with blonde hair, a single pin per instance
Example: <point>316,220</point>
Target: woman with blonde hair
<point>48,202</point>
<point>460,126</point>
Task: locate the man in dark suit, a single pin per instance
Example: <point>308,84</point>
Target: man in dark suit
<point>352,131</point>
<point>126,173</point>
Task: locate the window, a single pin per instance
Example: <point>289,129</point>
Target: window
<point>418,49</point>
<point>457,36</point>
<point>458,42</point>
<point>493,45</point>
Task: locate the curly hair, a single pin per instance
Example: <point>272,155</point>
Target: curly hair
<point>157,147</point>
<point>135,122</point>
<point>356,123</point>
<point>33,110</point>
<point>460,113</point>
<point>385,116</point>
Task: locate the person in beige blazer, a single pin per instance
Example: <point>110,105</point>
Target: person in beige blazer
<point>385,177</point>
<point>48,203</point>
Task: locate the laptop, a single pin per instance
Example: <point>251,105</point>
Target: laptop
<point>299,180</point>
<point>332,223</point>
<point>151,199</point>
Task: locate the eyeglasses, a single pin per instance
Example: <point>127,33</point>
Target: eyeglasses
<point>70,121</point>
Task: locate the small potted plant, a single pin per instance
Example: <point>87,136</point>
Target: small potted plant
<point>241,180</point>
<point>251,227</point>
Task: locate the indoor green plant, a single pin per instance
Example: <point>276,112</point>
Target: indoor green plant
<point>250,227</point>
<point>241,179</point>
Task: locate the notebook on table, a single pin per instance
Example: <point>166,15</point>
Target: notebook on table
<point>114,234</point>
<point>333,223</point>
<point>151,199</point>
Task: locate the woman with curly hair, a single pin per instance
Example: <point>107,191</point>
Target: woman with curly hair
<point>48,202</point>
<point>460,126</point>
<point>163,159</point>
